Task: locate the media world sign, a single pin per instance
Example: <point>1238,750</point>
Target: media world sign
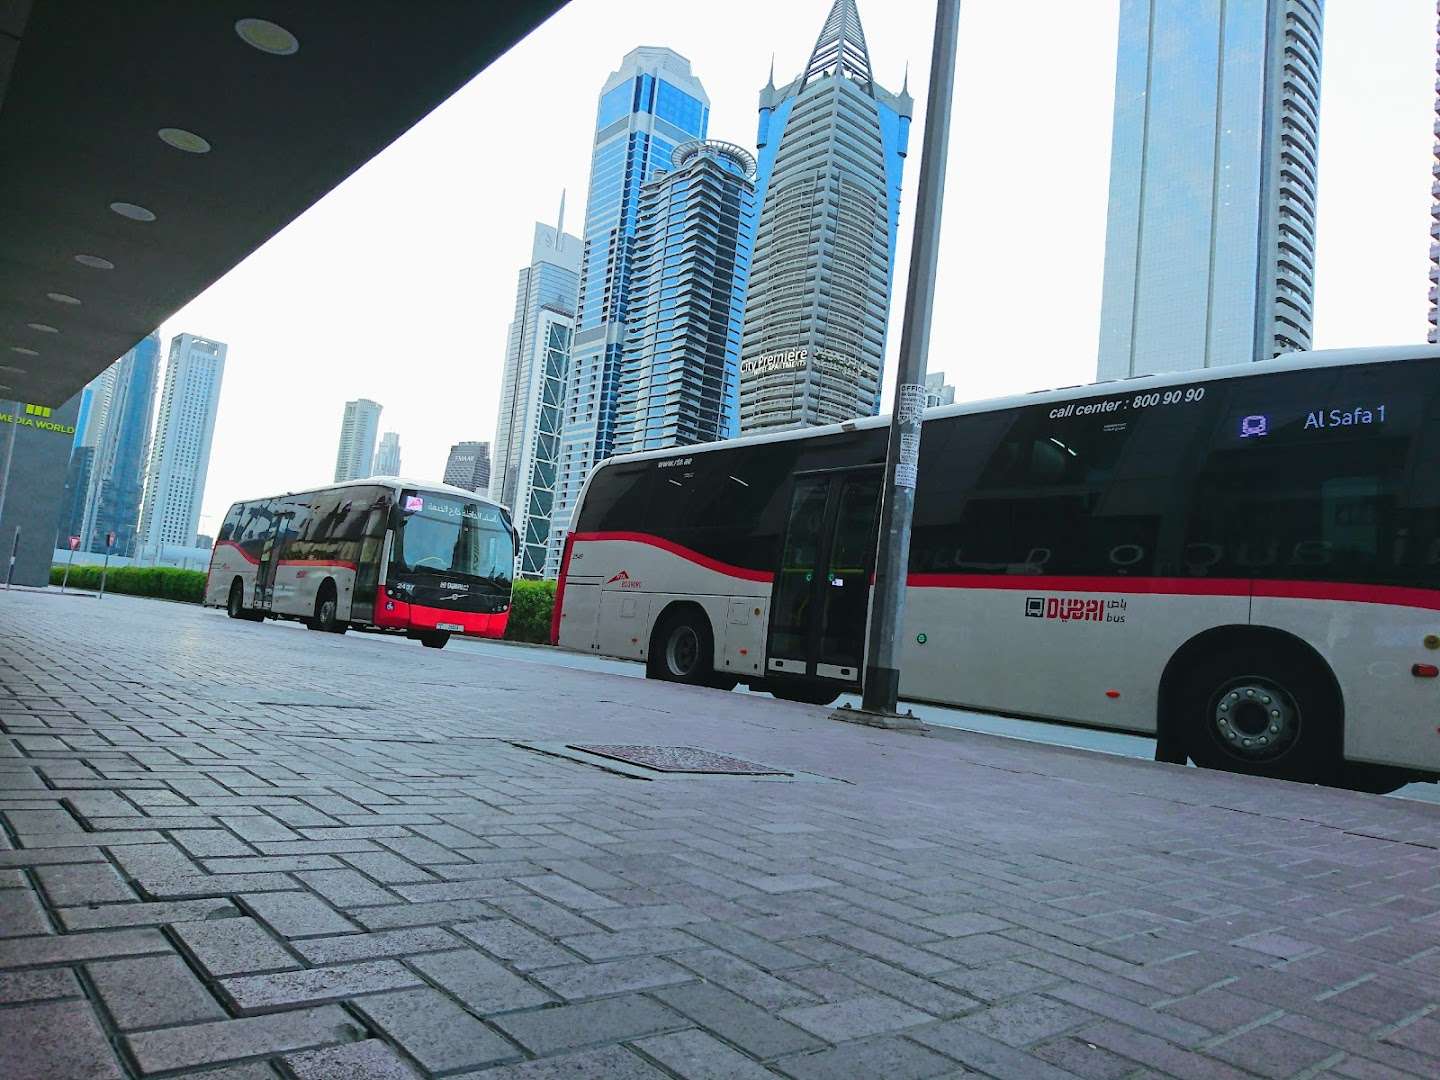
<point>37,417</point>
<point>800,359</point>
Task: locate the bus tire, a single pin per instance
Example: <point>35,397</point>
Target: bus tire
<point>1262,708</point>
<point>807,693</point>
<point>327,607</point>
<point>235,604</point>
<point>435,639</point>
<point>682,647</point>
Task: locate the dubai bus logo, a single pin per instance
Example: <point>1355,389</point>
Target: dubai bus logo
<point>624,580</point>
<point>1251,426</point>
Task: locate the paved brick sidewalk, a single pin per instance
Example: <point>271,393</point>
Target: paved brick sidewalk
<point>246,851</point>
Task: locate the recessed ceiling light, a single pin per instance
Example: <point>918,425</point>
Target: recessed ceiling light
<point>95,262</point>
<point>63,298</point>
<point>181,139</point>
<point>44,328</point>
<point>133,212</point>
<point>14,370</point>
<point>23,351</point>
<point>267,36</point>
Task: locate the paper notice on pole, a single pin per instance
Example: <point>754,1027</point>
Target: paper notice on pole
<point>908,461</point>
<point>910,402</point>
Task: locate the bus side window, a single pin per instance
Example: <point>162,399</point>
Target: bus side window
<point>1316,491</point>
<point>1039,506</point>
<point>231,522</point>
<point>953,453</point>
<point>617,498</point>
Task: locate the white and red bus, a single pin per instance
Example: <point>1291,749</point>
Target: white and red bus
<point>428,560</point>
<point>1242,562</point>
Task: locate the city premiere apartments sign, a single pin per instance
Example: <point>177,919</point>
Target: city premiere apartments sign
<point>799,359</point>
<point>37,417</point>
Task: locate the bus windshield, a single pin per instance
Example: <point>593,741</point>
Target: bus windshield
<point>443,534</point>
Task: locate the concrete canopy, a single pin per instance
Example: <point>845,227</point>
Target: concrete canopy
<point>85,90</point>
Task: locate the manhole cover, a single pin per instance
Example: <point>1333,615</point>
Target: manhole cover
<point>687,759</point>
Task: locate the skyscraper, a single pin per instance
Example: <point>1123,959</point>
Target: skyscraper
<point>387,456</point>
<point>1210,243</point>
<point>680,376</point>
<point>77,488</point>
<point>184,427</point>
<point>650,105</point>
<point>358,428</point>
<point>532,391</point>
<point>936,392</point>
<point>832,150</point>
<point>121,444</point>
<point>548,283</point>
<point>468,466</point>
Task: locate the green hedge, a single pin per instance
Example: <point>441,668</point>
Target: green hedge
<point>530,607</point>
<point>165,582</point>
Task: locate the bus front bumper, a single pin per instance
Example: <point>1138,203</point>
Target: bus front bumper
<point>394,614</point>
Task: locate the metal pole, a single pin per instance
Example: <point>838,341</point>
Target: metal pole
<point>64,581</point>
<point>882,669</point>
<point>14,550</point>
<point>9,454</point>
<point>105,567</point>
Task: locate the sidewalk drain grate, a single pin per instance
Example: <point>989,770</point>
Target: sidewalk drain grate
<point>680,759</point>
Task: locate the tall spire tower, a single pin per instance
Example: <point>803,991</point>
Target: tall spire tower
<point>832,147</point>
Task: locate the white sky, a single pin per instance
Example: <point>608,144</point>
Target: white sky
<point>399,285</point>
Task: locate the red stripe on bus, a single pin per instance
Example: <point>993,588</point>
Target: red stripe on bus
<point>320,562</point>
<point>1393,595</point>
<point>688,554</point>
<point>242,552</point>
<point>559,607</point>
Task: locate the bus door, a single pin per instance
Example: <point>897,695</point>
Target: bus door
<point>821,602</point>
<point>269,564</point>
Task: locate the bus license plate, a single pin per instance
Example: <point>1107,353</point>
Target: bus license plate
<point>450,626</point>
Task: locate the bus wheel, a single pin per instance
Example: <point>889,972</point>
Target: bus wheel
<point>804,692</point>
<point>235,605</point>
<point>327,606</point>
<point>435,639</point>
<point>681,649</point>
<point>1263,711</point>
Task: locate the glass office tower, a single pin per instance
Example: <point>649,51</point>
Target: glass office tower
<point>387,455</point>
<point>832,149</point>
<point>184,428</point>
<point>647,108</point>
<point>679,381</point>
<point>532,386</point>
<point>359,427</point>
<point>1210,242</point>
<point>122,441</point>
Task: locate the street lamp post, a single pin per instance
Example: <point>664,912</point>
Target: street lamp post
<point>882,668</point>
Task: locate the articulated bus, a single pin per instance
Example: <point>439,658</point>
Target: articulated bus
<point>1243,563</point>
<point>426,560</point>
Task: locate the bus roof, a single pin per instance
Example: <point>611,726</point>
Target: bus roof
<point>1297,361</point>
<point>394,482</point>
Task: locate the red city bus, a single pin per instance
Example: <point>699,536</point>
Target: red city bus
<point>1244,562</point>
<point>427,560</point>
